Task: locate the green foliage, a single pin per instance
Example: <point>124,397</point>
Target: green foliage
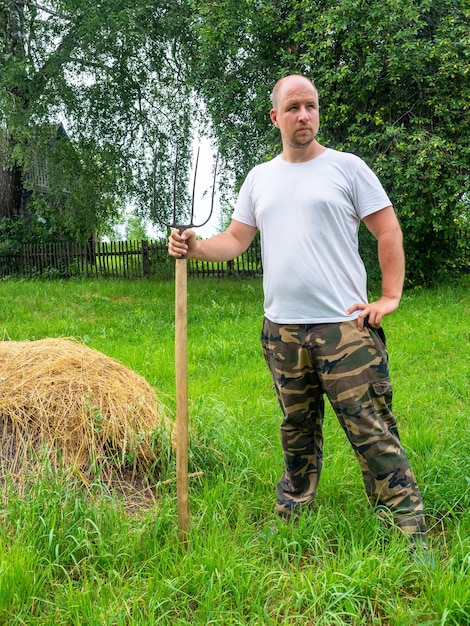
<point>81,199</point>
<point>394,88</point>
<point>131,79</point>
<point>114,72</point>
<point>369,253</point>
<point>14,233</point>
<point>407,67</point>
<point>135,229</point>
<point>236,65</point>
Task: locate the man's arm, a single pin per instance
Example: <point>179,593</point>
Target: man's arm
<point>222,247</point>
<point>386,229</point>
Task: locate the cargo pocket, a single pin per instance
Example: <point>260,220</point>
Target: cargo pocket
<point>382,387</point>
<point>381,391</point>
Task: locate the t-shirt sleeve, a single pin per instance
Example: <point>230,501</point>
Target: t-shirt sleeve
<point>244,209</point>
<point>369,196</point>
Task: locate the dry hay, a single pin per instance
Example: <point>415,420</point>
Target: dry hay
<point>87,410</point>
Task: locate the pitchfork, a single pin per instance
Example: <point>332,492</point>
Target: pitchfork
<point>181,349</point>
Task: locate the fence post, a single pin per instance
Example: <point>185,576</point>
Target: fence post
<point>145,258</point>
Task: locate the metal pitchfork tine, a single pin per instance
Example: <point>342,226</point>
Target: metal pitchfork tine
<point>181,352</point>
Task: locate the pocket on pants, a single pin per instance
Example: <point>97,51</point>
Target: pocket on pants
<point>382,387</point>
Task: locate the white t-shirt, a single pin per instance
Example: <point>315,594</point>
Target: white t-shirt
<point>308,215</point>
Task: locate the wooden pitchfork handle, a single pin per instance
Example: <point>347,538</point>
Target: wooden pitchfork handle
<point>181,367</point>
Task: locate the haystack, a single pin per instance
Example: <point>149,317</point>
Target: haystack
<point>85,409</point>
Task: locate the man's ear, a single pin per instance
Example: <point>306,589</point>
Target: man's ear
<point>273,116</point>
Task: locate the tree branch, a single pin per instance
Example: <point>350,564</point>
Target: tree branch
<point>41,7</point>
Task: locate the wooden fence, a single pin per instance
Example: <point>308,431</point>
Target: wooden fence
<point>127,259</point>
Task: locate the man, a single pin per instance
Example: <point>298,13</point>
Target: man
<point>320,335</point>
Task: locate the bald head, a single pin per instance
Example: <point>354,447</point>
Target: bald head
<point>288,81</point>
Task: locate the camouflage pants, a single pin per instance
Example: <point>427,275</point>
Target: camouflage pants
<point>350,367</point>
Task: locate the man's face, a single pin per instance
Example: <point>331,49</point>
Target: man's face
<point>296,113</point>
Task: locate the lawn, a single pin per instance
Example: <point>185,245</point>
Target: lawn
<point>70,556</point>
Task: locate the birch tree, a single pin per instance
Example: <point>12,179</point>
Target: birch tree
<point>113,73</point>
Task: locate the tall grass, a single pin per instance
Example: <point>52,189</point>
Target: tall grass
<point>71,558</point>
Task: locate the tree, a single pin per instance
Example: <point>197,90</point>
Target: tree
<point>394,87</point>
<point>125,77</point>
<point>135,229</point>
<point>114,73</point>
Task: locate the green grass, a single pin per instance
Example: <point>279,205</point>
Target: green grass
<point>70,559</point>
